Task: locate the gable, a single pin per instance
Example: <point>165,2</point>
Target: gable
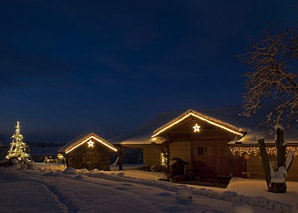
<point>198,120</point>
<point>82,140</point>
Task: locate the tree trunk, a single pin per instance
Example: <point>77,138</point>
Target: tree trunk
<point>265,161</point>
<point>281,148</point>
<point>281,161</point>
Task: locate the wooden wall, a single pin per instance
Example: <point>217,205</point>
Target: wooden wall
<point>151,156</point>
<point>181,150</point>
<point>254,165</point>
<point>89,158</point>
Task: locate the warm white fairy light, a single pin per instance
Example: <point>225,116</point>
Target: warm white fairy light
<point>90,143</point>
<point>241,151</point>
<point>17,146</point>
<point>94,138</point>
<point>196,116</point>
<point>196,128</point>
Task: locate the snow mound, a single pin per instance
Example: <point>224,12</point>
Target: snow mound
<point>79,177</point>
<point>241,208</point>
<point>15,166</point>
<point>121,174</point>
<point>279,126</point>
<point>260,137</point>
<point>70,170</point>
<point>94,171</point>
<point>14,161</point>
<point>184,194</point>
<point>82,171</point>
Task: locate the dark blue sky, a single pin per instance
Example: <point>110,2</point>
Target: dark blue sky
<point>68,67</point>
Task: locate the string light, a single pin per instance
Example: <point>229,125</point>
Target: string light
<point>241,151</point>
<point>96,139</point>
<point>196,128</point>
<point>90,143</point>
<point>197,116</point>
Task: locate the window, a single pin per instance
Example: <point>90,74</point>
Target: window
<point>201,150</point>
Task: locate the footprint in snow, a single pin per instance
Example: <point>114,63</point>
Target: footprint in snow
<point>165,194</point>
<point>122,188</point>
<point>126,184</point>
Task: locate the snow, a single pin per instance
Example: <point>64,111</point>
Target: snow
<point>228,114</point>
<point>184,194</point>
<point>241,208</point>
<point>279,126</point>
<point>278,176</point>
<point>80,190</point>
<point>260,137</point>
<point>98,191</point>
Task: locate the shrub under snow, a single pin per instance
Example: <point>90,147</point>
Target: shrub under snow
<point>70,170</point>
<point>184,194</point>
<point>241,208</point>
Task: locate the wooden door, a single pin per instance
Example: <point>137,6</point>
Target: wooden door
<point>205,158</point>
<point>92,158</point>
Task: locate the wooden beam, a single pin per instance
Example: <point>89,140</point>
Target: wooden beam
<point>168,158</point>
<point>121,151</point>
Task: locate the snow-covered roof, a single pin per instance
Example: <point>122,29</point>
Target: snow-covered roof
<point>143,134</point>
<point>78,141</point>
<point>46,150</point>
<point>227,115</point>
<point>193,113</point>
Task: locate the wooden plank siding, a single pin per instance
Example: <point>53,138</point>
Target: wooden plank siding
<point>181,150</point>
<point>151,156</point>
<point>255,167</point>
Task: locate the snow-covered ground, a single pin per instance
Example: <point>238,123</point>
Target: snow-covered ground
<point>48,189</point>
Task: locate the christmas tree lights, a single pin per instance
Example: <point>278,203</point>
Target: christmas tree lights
<point>17,146</point>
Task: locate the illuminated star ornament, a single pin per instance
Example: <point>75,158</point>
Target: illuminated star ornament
<point>196,128</point>
<point>90,143</point>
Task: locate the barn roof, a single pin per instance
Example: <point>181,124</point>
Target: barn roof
<point>227,116</point>
<point>201,116</point>
<point>78,141</point>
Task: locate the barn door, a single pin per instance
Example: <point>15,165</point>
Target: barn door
<point>205,159</point>
<point>92,159</point>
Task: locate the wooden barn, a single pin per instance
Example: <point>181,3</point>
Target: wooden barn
<point>89,151</point>
<point>198,140</point>
<point>202,144</point>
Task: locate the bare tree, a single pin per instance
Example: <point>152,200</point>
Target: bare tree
<point>273,78</point>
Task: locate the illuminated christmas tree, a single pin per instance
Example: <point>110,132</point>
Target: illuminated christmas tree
<point>17,146</point>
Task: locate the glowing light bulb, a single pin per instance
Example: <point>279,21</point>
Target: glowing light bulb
<point>90,143</point>
<point>196,128</point>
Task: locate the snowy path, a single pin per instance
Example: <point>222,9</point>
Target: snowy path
<point>78,193</point>
<point>22,196</point>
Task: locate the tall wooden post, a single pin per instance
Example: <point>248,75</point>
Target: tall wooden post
<point>265,161</point>
<point>168,158</point>
<point>121,150</point>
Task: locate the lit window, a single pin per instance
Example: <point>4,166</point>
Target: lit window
<point>201,150</point>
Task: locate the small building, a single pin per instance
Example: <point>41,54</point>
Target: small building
<point>201,141</point>
<point>44,153</point>
<point>89,151</point>
<point>215,143</point>
<point>247,148</point>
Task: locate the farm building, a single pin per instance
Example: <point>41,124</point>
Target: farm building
<point>205,141</point>
<point>89,151</point>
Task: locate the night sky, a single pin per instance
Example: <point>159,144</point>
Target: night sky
<point>68,67</point>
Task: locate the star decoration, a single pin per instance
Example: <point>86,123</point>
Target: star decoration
<point>196,128</point>
<point>246,156</point>
<point>90,143</point>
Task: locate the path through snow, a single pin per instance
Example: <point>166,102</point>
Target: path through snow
<point>57,192</point>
